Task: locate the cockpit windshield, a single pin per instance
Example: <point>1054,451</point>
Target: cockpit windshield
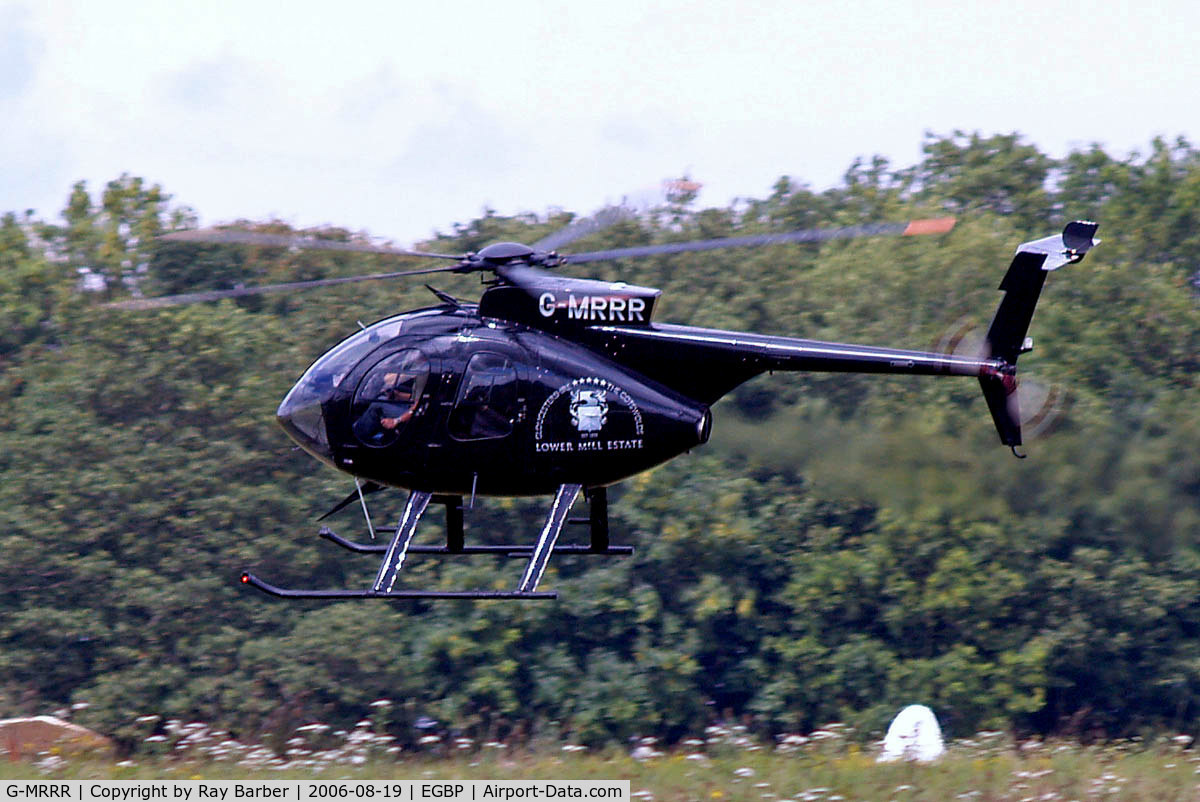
<point>328,371</point>
<point>302,412</point>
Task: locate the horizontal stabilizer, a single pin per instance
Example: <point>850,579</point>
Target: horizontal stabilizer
<point>1063,249</point>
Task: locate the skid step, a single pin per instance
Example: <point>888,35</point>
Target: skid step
<point>286,593</point>
<point>501,550</point>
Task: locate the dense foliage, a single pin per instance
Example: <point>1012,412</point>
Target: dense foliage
<point>846,545</point>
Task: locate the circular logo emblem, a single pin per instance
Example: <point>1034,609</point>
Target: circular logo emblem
<point>588,414</point>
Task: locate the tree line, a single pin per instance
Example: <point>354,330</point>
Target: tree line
<point>845,545</point>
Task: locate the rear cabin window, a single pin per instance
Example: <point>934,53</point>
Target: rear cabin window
<point>487,399</point>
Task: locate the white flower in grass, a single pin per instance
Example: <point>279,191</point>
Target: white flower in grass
<point>313,728</point>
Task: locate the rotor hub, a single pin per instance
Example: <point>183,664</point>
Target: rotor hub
<point>501,253</point>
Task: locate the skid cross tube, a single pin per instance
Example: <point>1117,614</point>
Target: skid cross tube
<point>497,550</point>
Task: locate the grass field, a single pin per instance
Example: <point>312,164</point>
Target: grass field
<point>727,768</point>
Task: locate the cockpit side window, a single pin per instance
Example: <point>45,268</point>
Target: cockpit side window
<point>388,396</point>
<point>487,399</point>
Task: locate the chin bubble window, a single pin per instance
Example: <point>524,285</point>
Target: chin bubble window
<point>388,396</point>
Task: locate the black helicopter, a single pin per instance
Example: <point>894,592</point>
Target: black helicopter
<point>556,385</point>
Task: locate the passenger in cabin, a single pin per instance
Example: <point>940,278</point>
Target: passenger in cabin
<point>476,419</point>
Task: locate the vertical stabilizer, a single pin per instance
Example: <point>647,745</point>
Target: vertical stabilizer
<point>1006,337</point>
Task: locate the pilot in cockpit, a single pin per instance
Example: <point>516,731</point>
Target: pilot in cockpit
<point>392,407</point>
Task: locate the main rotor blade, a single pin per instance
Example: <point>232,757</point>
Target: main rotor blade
<point>229,236</point>
<point>915,228</point>
<point>584,226</point>
<point>239,292</point>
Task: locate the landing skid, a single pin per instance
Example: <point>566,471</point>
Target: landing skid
<point>284,593</point>
<point>538,554</point>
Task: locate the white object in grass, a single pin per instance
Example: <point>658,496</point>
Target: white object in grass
<point>913,735</point>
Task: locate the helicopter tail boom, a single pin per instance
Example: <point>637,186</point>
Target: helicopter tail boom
<point>705,364</point>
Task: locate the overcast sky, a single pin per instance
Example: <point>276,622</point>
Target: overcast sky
<point>402,118</point>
